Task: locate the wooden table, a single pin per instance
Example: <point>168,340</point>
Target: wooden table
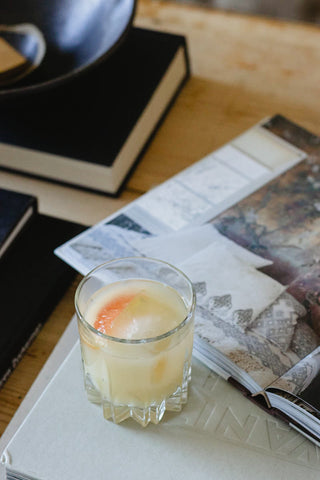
<point>243,69</point>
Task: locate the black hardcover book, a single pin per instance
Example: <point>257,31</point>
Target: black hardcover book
<point>91,131</point>
<point>16,210</point>
<point>32,281</point>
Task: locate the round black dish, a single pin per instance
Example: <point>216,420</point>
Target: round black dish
<point>78,34</point>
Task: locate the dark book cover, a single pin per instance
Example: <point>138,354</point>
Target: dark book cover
<point>32,281</point>
<point>91,118</point>
<point>16,209</point>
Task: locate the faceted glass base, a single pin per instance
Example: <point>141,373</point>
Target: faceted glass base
<point>143,415</point>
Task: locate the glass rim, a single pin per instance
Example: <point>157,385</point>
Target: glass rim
<point>137,340</point>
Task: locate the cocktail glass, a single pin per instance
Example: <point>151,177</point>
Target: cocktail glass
<point>138,378</point>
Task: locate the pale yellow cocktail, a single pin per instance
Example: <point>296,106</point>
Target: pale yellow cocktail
<point>136,339</point>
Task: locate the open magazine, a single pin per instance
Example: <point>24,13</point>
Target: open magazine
<point>244,225</point>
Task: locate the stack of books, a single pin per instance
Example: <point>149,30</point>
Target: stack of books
<point>91,132</point>
<point>88,133</point>
<point>267,210</point>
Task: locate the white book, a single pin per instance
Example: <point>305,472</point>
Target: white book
<point>218,434</point>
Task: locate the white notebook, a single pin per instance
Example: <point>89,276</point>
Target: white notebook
<point>219,434</point>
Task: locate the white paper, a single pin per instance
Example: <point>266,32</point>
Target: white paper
<point>229,288</point>
<point>178,246</point>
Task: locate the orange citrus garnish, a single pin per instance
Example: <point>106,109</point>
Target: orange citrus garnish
<point>110,311</point>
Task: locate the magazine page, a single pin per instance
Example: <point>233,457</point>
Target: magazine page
<point>264,335</point>
<point>281,223</point>
<point>192,197</point>
<point>250,303</point>
<point>235,301</point>
<point>302,382</point>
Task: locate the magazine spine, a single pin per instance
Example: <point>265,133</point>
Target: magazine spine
<point>260,400</point>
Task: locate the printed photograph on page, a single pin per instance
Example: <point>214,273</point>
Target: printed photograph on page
<point>281,223</point>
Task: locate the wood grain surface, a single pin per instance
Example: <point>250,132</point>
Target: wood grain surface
<point>244,68</point>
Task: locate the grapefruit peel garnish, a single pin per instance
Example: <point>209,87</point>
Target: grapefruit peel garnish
<point>110,311</point>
